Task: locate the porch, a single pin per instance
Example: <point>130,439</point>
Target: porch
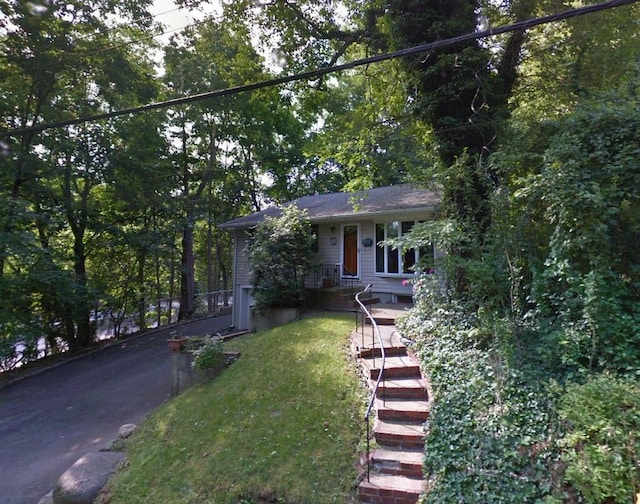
<point>331,287</point>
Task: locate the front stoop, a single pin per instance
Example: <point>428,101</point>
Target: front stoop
<point>402,407</point>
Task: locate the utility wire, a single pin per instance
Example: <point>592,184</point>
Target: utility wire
<point>319,72</point>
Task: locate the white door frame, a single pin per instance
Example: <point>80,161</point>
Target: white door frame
<point>358,250</point>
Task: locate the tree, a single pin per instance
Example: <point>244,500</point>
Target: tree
<point>54,65</point>
<point>576,60</point>
<point>589,287</point>
<point>224,149</point>
<point>280,257</point>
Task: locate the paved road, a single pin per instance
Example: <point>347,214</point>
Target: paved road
<point>48,421</point>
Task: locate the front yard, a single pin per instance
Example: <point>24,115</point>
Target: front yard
<point>282,424</point>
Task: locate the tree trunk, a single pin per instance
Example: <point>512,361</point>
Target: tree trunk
<point>187,277</point>
<point>142,308</point>
<point>209,255</point>
<point>82,310</point>
<point>172,282</point>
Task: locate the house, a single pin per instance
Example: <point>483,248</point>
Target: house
<point>349,228</point>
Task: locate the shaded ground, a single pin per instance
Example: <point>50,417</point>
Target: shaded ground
<point>50,419</point>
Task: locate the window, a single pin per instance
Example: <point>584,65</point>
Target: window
<point>392,261</point>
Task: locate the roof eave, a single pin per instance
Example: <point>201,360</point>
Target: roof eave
<point>348,216</point>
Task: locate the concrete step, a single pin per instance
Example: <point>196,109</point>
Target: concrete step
<point>390,489</point>
<point>399,435</point>
<point>402,410</point>
<point>366,301</point>
<point>398,462</point>
<point>382,320</point>
<point>403,388</point>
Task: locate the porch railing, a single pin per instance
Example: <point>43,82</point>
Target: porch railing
<point>362,315</point>
<point>332,275</point>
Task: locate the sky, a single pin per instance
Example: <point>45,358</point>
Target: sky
<point>173,18</point>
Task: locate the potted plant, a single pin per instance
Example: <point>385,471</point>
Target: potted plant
<point>175,341</point>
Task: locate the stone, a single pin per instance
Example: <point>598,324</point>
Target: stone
<point>126,430</point>
<point>82,482</point>
<point>47,498</point>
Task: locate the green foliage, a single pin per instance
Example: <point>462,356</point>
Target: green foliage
<point>589,288</point>
<point>601,448</point>
<point>490,433</point>
<point>209,354</point>
<point>280,257</point>
<point>578,59</point>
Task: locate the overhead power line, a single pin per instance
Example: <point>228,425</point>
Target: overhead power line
<point>319,72</point>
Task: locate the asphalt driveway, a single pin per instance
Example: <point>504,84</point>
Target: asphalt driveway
<point>49,420</point>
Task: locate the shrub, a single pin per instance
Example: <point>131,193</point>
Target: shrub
<point>210,354</point>
<point>588,288</point>
<point>280,255</point>
<point>601,448</point>
<point>490,436</point>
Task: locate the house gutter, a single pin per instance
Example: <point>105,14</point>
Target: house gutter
<point>350,216</point>
<point>359,215</point>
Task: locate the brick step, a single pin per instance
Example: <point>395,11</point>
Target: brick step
<point>399,462</point>
<point>390,351</point>
<point>400,410</point>
<point>403,388</point>
<point>395,366</point>
<point>399,435</point>
<point>389,489</point>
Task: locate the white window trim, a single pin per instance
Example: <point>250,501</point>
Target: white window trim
<point>400,273</point>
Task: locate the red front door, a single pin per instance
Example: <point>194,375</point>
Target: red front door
<point>350,250</point>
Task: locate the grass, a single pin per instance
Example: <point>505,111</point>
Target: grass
<point>283,424</point>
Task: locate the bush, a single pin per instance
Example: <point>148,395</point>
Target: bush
<point>601,448</point>
<point>280,255</point>
<point>490,436</point>
<point>588,287</point>
<point>210,354</point>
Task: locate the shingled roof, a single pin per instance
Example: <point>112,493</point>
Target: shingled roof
<point>378,201</point>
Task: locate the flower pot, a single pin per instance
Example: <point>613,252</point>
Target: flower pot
<point>176,344</point>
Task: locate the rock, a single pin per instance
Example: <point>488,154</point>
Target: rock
<point>46,499</point>
<point>126,430</point>
<point>82,482</point>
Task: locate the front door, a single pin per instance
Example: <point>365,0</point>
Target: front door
<point>350,250</point>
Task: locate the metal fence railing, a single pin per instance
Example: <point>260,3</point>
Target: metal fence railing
<point>327,275</point>
<point>363,315</point>
<point>111,323</point>
<point>165,311</point>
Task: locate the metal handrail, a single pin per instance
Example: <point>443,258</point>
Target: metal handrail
<point>374,332</point>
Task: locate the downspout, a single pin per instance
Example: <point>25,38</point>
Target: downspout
<point>233,281</point>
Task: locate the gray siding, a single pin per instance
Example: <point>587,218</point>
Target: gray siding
<point>242,263</point>
<point>240,279</point>
<point>387,287</point>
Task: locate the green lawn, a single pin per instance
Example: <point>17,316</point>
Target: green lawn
<point>283,424</point>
